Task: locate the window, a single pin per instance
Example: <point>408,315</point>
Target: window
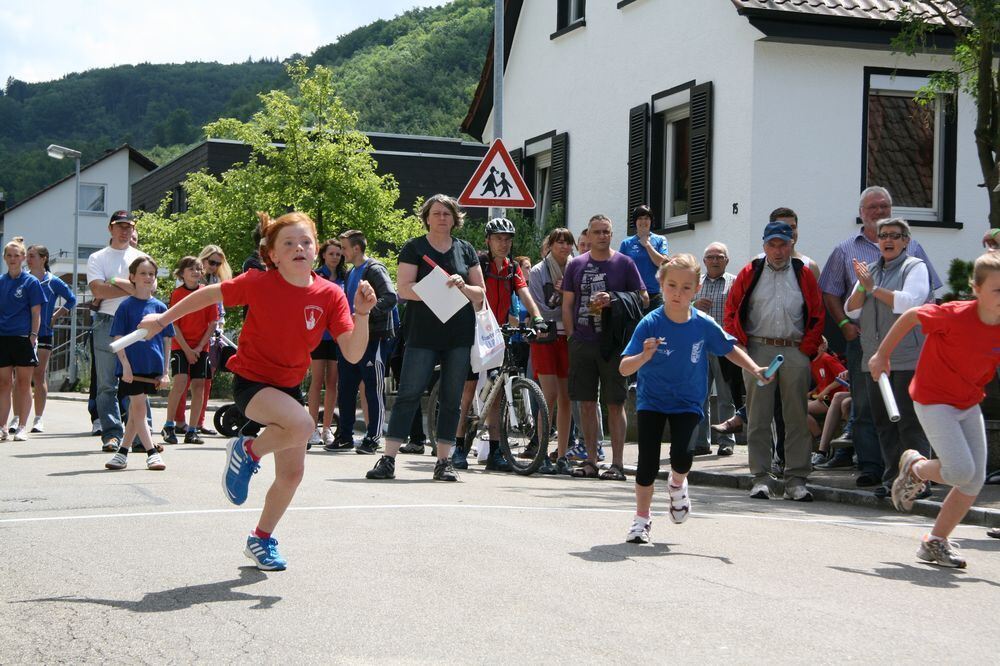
<point>570,15</point>
<point>676,160</point>
<point>92,198</point>
<point>543,163</point>
<point>909,147</point>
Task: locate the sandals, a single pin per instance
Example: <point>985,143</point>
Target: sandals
<point>613,473</point>
<point>587,470</point>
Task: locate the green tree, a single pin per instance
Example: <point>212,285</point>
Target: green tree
<point>975,25</point>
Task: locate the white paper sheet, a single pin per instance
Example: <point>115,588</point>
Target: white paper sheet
<point>444,301</point>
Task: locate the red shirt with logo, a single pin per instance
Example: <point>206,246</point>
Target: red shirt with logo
<point>194,325</point>
<point>500,285</point>
<point>825,369</point>
<point>959,357</point>
<point>284,324</point>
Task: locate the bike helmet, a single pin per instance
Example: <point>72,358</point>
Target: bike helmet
<point>499,225</point>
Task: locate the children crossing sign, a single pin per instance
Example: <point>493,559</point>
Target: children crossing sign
<point>497,182</point>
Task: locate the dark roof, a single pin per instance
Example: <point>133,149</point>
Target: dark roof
<point>879,10</point>
<point>133,154</point>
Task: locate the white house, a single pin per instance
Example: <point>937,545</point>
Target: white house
<point>46,217</point>
<point>715,112</point>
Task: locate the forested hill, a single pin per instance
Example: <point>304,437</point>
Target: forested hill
<point>413,74</point>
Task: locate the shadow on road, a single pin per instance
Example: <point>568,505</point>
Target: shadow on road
<point>62,454</point>
<point>926,575</point>
<point>181,598</point>
<point>619,552</point>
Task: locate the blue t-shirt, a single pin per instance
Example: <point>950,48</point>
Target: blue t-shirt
<point>54,289</point>
<point>352,282</point>
<point>675,380</point>
<point>145,356</point>
<point>17,297</point>
<point>647,269</point>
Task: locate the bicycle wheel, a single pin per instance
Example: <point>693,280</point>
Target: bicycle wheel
<point>431,411</point>
<point>516,442</point>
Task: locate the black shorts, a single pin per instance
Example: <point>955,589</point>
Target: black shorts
<point>326,350</point>
<point>137,388</point>
<point>245,389</point>
<point>45,342</point>
<point>198,370</point>
<point>17,351</point>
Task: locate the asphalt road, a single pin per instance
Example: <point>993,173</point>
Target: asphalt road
<point>147,567</point>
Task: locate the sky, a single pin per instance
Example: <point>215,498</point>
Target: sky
<point>42,40</point>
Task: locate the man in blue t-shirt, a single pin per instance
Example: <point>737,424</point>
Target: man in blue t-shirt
<point>648,251</point>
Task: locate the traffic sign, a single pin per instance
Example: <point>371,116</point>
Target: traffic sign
<point>497,182</point>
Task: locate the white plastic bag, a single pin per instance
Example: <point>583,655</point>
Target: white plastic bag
<point>488,346</point>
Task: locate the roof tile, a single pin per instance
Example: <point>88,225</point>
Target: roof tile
<point>878,10</point>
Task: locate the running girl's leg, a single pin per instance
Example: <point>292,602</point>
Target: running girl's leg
<point>40,377</point>
<point>650,435</point>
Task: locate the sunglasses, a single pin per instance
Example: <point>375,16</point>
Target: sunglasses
<point>213,263</point>
<point>894,235</point>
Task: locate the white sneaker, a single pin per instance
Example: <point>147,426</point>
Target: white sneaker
<point>316,438</point>
<point>798,493</point>
<point>14,423</point>
<point>118,461</point>
<point>155,463</point>
<point>95,427</point>
<point>680,503</point>
<point>329,437</point>
<point>639,532</point>
<point>37,425</point>
<point>20,435</point>
<point>760,491</point>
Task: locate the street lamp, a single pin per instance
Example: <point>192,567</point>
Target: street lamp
<point>60,152</point>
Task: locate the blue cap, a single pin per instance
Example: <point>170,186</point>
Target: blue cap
<point>778,230</point>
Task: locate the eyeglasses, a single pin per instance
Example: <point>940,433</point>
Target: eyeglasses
<point>894,235</point>
<point>213,263</point>
<point>715,257</point>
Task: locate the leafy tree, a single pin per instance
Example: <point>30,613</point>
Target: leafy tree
<point>975,24</point>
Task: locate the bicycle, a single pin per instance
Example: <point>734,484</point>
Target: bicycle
<point>524,432</point>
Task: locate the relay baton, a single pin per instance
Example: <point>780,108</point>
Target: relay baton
<point>135,336</point>
<point>842,382</point>
<point>773,368</point>
<point>888,398</point>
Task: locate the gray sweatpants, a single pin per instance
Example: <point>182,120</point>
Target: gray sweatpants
<point>958,437</point>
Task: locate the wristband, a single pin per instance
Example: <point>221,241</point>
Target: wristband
<point>537,320</point>
<point>862,289</point>
<point>845,320</point>
<point>994,232</point>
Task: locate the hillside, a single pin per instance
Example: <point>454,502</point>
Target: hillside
<point>412,74</point>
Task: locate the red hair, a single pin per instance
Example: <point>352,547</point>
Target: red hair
<point>269,230</point>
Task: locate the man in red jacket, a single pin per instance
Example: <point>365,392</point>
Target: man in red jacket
<point>775,307</point>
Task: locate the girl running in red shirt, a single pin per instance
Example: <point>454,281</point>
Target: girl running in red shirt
<point>290,307</point>
<point>959,357</point>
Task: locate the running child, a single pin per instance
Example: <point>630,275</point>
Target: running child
<point>961,353</point>
<point>290,308</point>
<point>669,351</point>
<point>141,367</point>
<point>189,353</point>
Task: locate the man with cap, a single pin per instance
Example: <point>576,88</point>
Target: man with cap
<point>775,307</point>
<point>107,277</point>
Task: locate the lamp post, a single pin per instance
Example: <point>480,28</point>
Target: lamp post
<point>60,152</point>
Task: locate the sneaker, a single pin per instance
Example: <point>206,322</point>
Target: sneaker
<point>563,467</point>
<point>95,427</point>
<point>680,503</point>
<point>577,452</point>
<point>239,468</point>
<point>264,553</point>
<point>155,463</point>
<point>530,451</point>
<point>192,437</point>
<point>202,430</point>
<point>845,441</point>
<point>760,491</point>
<point>837,462</point>
<point>385,468</point>
<point>460,458</point>
<point>37,425</point>
<point>316,438</point>
<point>941,552</point>
<point>20,435</point>
<point>818,458</point>
<point>13,425</point>
<point>412,447</point>
<point>882,491</point>
<point>329,438</point>
<point>497,462</point>
<point>798,493</point>
<point>118,461</point>
<point>600,452</point>
<point>367,447</point>
<point>906,486</point>
<point>547,467</point>
<point>726,450</point>
<point>169,435</point>
<point>639,532</point>
<point>181,428</point>
<point>111,445</point>
<point>445,471</point>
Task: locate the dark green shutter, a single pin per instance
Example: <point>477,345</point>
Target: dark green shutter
<point>700,192</point>
<point>559,173</point>
<point>638,150</point>
<point>518,156</point>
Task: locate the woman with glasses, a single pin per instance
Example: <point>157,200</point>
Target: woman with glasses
<point>885,290</point>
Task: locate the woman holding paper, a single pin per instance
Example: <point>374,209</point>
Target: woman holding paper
<point>886,289</point>
<point>429,340</point>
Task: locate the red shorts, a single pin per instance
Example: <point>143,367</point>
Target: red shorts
<point>551,358</point>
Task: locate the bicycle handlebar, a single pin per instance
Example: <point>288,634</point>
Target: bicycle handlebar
<point>527,331</point>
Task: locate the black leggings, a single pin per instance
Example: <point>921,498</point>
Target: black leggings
<point>682,427</point>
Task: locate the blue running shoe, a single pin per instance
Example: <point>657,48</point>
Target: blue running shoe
<point>577,452</point>
<point>264,553</point>
<point>239,468</point>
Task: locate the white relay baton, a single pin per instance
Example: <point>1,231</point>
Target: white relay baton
<point>888,398</point>
<point>135,336</point>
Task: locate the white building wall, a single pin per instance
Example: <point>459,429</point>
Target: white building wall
<point>585,82</point>
<point>806,154</point>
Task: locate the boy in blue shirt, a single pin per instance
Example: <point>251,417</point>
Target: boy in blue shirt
<point>669,351</point>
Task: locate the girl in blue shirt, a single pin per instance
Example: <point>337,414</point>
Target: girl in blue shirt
<point>54,289</point>
<point>21,301</point>
<point>669,351</point>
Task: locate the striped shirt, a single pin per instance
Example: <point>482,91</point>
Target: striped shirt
<point>838,275</point>
<point>716,289</point>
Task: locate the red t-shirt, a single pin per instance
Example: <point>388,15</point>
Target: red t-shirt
<point>194,325</point>
<point>959,357</point>
<point>284,324</point>
<point>825,369</point>
<point>500,285</point>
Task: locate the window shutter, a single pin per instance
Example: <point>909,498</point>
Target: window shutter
<point>518,156</point>
<point>700,192</point>
<point>638,149</point>
<point>560,168</point>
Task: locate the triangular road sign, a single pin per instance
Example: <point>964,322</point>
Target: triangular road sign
<point>497,182</point>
